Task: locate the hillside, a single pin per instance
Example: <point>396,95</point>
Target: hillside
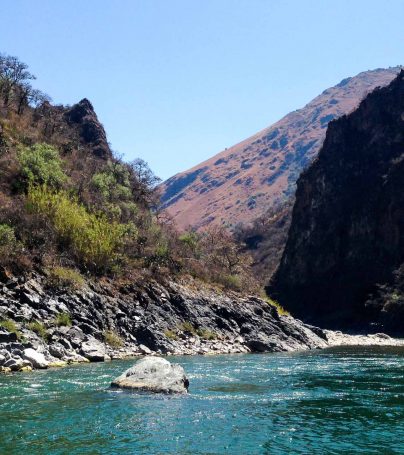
<point>343,261</point>
<point>91,270</point>
<point>243,182</point>
<point>72,208</point>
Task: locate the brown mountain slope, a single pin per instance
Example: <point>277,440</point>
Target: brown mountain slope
<point>244,181</point>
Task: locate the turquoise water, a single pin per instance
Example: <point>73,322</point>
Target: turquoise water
<point>340,401</point>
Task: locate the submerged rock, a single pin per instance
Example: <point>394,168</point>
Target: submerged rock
<point>154,374</point>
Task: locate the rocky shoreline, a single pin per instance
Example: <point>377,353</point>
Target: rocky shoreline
<point>43,328</point>
<point>337,338</point>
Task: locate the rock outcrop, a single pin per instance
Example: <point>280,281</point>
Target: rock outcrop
<point>83,117</point>
<point>347,231</point>
<point>153,374</point>
<point>108,322</point>
<point>36,359</point>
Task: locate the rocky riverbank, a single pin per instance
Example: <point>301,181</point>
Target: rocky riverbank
<point>337,338</point>
<point>42,327</point>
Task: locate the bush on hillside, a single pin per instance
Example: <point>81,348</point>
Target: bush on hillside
<point>8,242</point>
<point>41,164</point>
<point>190,242</point>
<point>9,246</point>
<point>113,182</point>
<point>63,320</point>
<point>38,328</point>
<point>231,282</point>
<point>94,241</point>
<point>113,339</point>
<point>65,278</point>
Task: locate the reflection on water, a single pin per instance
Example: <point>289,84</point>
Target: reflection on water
<point>340,401</point>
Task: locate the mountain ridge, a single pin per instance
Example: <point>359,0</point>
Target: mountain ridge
<point>242,182</point>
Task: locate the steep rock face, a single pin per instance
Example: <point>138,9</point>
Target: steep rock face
<point>140,318</point>
<point>71,128</point>
<point>347,231</point>
<point>244,181</point>
<point>83,116</point>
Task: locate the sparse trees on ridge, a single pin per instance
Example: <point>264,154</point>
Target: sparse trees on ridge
<point>15,85</point>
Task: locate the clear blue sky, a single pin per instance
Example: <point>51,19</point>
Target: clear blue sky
<point>176,81</point>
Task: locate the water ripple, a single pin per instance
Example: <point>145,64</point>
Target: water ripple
<point>339,401</point>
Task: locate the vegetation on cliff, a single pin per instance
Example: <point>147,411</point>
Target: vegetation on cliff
<point>70,205</point>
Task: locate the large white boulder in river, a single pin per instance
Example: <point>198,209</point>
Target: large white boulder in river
<point>153,374</point>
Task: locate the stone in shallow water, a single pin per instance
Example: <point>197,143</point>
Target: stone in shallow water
<point>93,350</point>
<point>36,358</point>
<point>153,374</point>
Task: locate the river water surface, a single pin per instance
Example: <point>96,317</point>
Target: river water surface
<point>337,401</point>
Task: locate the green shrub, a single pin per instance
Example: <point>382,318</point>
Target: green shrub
<point>278,306</point>
<point>7,236</point>
<point>113,339</point>
<point>94,240</point>
<point>232,282</point>
<point>206,334</point>
<point>170,334</point>
<point>161,257</point>
<point>39,329</point>
<point>113,182</point>
<point>130,208</point>
<point>63,319</point>
<point>10,326</point>
<point>65,278</point>
<point>190,240</point>
<point>8,242</point>
<point>41,164</point>
<point>188,327</point>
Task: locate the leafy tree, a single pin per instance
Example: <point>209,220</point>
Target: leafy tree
<point>190,241</point>
<point>15,85</point>
<point>144,183</point>
<point>12,74</point>
<point>113,182</point>
<point>41,164</point>
<point>26,95</point>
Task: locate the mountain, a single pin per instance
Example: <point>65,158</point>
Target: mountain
<point>343,261</point>
<point>89,271</point>
<point>67,203</point>
<point>242,182</point>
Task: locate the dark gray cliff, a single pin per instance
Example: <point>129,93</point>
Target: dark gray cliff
<point>83,117</point>
<point>146,317</point>
<point>347,231</point>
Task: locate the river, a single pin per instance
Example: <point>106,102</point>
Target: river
<point>335,401</point>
